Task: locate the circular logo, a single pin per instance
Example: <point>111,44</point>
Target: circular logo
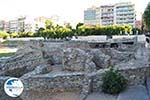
<point>13,87</point>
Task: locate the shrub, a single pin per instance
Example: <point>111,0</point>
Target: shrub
<point>113,82</point>
<point>4,35</point>
<point>14,35</point>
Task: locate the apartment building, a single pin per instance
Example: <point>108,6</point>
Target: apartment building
<point>120,13</point>
<point>2,25</point>
<point>40,22</point>
<point>125,13</point>
<point>22,24</point>
<point>107,15</point>
<point>13,25</point>
<point>92,16</point>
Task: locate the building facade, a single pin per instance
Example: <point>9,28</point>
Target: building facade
<point>107,15</point>
<point>92,16</point>
<point>117,14</point>
<point>23,24</point>
<point>125,13</point>
<point>13,26</point>
<point>2,25</point>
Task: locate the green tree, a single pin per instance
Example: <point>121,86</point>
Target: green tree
<point>77,30</point>
<point>78,25</point>
<point>49,24</point>
<point>146,17</point>
<point>4,35</point>
<point>39,32</point>
<point>14,35</point>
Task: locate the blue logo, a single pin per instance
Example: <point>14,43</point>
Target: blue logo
<point>13,87</point>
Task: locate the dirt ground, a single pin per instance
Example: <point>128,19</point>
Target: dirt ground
<point>32,95</point>
<point>7,50</point>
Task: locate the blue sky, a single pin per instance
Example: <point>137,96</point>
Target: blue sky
<point>68,10</point>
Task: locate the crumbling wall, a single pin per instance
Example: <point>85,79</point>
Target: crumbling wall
<point>80,67</point>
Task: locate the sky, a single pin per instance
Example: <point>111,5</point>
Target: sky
<point>67,10</point>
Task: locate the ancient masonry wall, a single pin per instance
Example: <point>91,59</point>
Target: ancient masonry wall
<point>84,79</point>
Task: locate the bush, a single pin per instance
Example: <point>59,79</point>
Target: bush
<point>14,35</point>
<point>85,30</point>
<point>4,35</point>
<point>113,82</point>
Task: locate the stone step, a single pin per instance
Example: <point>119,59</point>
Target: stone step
<point>134,93</point>
<point>101,96</point>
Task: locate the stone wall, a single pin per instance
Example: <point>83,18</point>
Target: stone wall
<point>61,82</point>
<point>80,68</point>
<point>135,76</point>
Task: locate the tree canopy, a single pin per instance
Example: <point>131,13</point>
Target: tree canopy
<point>52,31</point>
<point>146,17</point>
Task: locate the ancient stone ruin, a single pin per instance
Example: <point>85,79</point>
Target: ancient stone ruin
<point>73,66</point>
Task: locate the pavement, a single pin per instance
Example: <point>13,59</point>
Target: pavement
<point>139,92</point>
<point>134,93</point>
<point>101,96</point>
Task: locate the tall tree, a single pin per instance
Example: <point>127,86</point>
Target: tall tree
<point>49,24</point>
<point>146,17</point>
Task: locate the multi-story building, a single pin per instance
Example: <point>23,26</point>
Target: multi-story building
<point>21,24</point>
<point>120,13</point>
<point>2,25</point>
<point>25,24</point>
<point>13,25</point>
<point>6,26</point>
<point>107,15</point>
<point>125,13</point>
<point>92,16</point>
<point>40,22</point>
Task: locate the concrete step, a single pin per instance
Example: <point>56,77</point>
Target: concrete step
<point>134,93</point>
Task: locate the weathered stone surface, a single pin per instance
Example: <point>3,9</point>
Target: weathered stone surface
<point>53,55</point>
<point>100,59</point>
<point>134,93</point>
<point>41,69</point>
<point>75,59</point>
<point>120,57</point>
<point>135,71</point>
<point>57,82</point>
<point>64,67</point>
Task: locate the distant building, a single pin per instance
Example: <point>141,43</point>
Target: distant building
<point>2,25</point>
<point>25,24</point>
<point>40,22</point>
<point>13,25</point>
<point>21,24</point>
<point>107,15</point>
<point>125,13</point>
<point>92,16</point>
<point>119,13</point>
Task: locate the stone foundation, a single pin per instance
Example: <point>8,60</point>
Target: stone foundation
<point>73,67</point>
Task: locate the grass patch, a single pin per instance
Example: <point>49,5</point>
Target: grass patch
<point>6,54</point>
<point>9,42</point>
